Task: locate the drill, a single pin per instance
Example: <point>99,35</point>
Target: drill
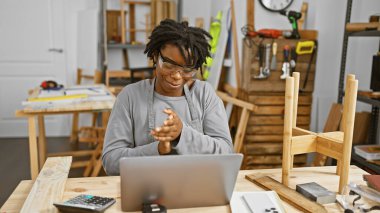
<point>293,17</point>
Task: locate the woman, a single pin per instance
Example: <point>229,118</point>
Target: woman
<point>173,113</point>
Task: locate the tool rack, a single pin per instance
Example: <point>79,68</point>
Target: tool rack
<point>264,134</point>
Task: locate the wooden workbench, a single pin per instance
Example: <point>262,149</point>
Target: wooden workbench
<point>110,187</point>
<point>38,150</point>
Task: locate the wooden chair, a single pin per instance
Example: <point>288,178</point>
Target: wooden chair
<point>243,121</point>
<point>120,74</point>
<point>95,163</point>
<point>336,144</point>
<point>97,79</point>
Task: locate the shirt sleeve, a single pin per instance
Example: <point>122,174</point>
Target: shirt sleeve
<point>118,141</point>
<point>216,137</point>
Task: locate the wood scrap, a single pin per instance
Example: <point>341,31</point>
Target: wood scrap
<point>287,194</point>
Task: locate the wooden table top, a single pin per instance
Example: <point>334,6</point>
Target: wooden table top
<point>82,106</point>
<point>110,187</point>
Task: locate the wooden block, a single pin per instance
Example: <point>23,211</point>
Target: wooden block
<point>287,194</point>
<point>49,186</point>
<point>303,144</point>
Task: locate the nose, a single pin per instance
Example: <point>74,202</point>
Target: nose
<point>177,75</point>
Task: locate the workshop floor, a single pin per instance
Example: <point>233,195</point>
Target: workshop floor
<point>14,161</point>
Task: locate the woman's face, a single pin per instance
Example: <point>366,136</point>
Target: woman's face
<point>170,83</point>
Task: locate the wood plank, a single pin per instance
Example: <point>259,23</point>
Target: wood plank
<point>274,86</point>
<point>279,110</point>
<point>329,146</point>
<point>276,120</point>
<point>263,138</point>
<point>240,133</point>
<point>272,159</point>
<point>225,97</point>
<point>286,193</point>
<point>301,131</point>
<point>263,148</point>
<point>361,127</point>
<point>278,100</point>
<point>251,13</point>
<point>301,21</point>
<point>303,144</point>
<point>49,186</point>
<point>132,23</point>
<point>235,45</point>
<point>267,130</point>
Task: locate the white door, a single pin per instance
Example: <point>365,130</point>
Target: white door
<point>32,49</point>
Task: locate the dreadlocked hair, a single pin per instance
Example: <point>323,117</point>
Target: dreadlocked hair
<point>193,40</point>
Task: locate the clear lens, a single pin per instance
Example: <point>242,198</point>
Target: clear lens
<point>169,68</point>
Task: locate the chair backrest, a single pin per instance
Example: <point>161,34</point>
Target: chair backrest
<point>116,74</point>
<point>243,121</point>
<point>97,77</point>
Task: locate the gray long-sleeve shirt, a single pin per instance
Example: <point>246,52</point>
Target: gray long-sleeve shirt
<point>128,132</point>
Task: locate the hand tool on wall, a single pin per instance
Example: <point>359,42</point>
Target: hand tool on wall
<point>266,70</point>
<point>307,48</point>
<point>273,64</point>
<point>293,17</point>
<point>293,60</point>
<point>285,65</point>
<point>249,31</point>
<point>261,59</point>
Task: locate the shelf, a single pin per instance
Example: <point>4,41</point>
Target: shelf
<point>124,46</point>
<point>364,164</point>
<point>373,102</point>
<point>371,33</point>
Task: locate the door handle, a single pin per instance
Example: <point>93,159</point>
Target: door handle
<point>56,50</point>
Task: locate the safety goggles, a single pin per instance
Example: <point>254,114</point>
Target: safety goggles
<point>168,67</point>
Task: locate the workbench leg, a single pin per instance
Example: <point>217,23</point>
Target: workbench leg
<point>41,141</point>
<point>74,130</point>
<point>33,149</point>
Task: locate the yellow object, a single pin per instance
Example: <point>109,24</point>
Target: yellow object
<point>305,47</point>
<point>58,98</point>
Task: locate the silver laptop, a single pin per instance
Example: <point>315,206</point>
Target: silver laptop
<point>178,181</point>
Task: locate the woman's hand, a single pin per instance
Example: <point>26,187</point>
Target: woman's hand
<point>168,132</point>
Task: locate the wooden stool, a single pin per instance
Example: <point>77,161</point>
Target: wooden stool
<point>336,145</point>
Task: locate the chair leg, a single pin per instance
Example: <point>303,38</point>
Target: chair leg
<point>339,167</point>
<point>97,167</point>
<point>286,154</point>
